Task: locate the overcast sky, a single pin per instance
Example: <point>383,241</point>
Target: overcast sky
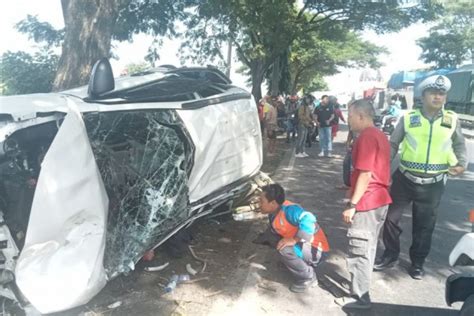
<point>403,51</point>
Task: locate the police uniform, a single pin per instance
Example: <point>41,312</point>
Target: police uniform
<point>429,146</point>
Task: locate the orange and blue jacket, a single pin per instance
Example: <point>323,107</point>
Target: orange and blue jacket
<point>294,221</point>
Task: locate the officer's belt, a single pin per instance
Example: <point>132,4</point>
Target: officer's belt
<point>420,180</point>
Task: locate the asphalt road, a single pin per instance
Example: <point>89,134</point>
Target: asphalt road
<point>312,182</point>
<point>243,278</point>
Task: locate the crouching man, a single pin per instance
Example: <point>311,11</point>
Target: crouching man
<point>296,235</point>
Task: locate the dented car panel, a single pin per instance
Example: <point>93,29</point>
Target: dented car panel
<point>162,164</point>
<point>60,264</point>
<point>227,145</point>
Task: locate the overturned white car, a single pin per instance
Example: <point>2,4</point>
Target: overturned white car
<point>92,178</point>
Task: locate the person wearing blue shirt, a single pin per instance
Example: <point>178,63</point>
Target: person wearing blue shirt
<point>295,234</point>
<point>394,110</point>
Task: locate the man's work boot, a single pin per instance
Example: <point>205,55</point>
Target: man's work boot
<point>385,262</point>
<point>302,286</point>
<point>416,272</point>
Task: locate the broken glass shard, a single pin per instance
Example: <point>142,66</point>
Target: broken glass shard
<point>143,157</point>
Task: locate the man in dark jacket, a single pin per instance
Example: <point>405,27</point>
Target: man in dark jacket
<point>324,114</point>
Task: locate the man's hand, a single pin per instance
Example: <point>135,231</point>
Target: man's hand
<point>328,122</point>
<point>455,171</point>
<point>286,242</point>
<point>348,214</point>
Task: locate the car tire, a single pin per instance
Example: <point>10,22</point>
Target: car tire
<point>468,307</point>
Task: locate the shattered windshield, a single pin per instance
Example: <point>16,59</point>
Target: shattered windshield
<point>143,158</point>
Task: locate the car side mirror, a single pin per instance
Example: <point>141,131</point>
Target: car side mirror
<point>102,79</point>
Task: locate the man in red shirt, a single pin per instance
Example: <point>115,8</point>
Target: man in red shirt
<point>366,211</point>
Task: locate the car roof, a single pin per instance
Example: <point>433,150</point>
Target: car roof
<point>156,77</point>
<point>26,106</point>
<point>162,87</point>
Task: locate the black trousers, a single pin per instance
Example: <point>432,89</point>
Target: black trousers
<point>425,200</point>
<point>312,134</point>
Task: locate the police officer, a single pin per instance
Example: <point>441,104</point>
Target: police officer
<point>432,146</point>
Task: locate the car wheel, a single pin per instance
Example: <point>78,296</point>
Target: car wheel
<point>468,307</point>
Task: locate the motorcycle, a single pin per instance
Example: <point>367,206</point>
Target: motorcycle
<point>460,286</point>
<point>378,119</point>
<point>390,124</point>
<point>381,119</point>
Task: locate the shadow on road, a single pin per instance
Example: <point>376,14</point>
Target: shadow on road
<point>405,310</point>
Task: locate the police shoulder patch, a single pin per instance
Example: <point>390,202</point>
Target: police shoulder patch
<point>415,120</point>
<point>447,121</point>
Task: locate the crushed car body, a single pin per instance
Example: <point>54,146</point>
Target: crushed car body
<point>92,178</point>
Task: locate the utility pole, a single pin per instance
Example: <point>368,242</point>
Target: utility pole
<point>229,57</point>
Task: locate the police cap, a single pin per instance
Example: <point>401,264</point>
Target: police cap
<point>437,82</point>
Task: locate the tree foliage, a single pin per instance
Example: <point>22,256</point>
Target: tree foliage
<point>91,25</point>
<point>451,41</point>
<point>40,32</point>
<point>134,68</point>
<point>23,73</point>
<point>312,58</point>
<point>259,30</point>
<point>262,30</point>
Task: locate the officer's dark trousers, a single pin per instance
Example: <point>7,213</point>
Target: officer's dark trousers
<point>425,201</point>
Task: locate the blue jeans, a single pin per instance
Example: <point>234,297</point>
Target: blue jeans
<point>325,141</point>
<point>302,133</point>
<point>291,129</point>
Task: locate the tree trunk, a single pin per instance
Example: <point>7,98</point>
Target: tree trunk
<point>276,76</point>
<point>295,83</point>
<point>257,70</point>
<point>89,25</point>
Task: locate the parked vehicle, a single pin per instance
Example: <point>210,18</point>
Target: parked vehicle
<point>460,286</point>
<point>390,124</point>
<point>92,178</point>
<point>460,98</point>
<point>378,119</point>
<point>387,123</point>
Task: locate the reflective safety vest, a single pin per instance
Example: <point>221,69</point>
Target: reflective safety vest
<point>427,146</point>
<point>285,229</point>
